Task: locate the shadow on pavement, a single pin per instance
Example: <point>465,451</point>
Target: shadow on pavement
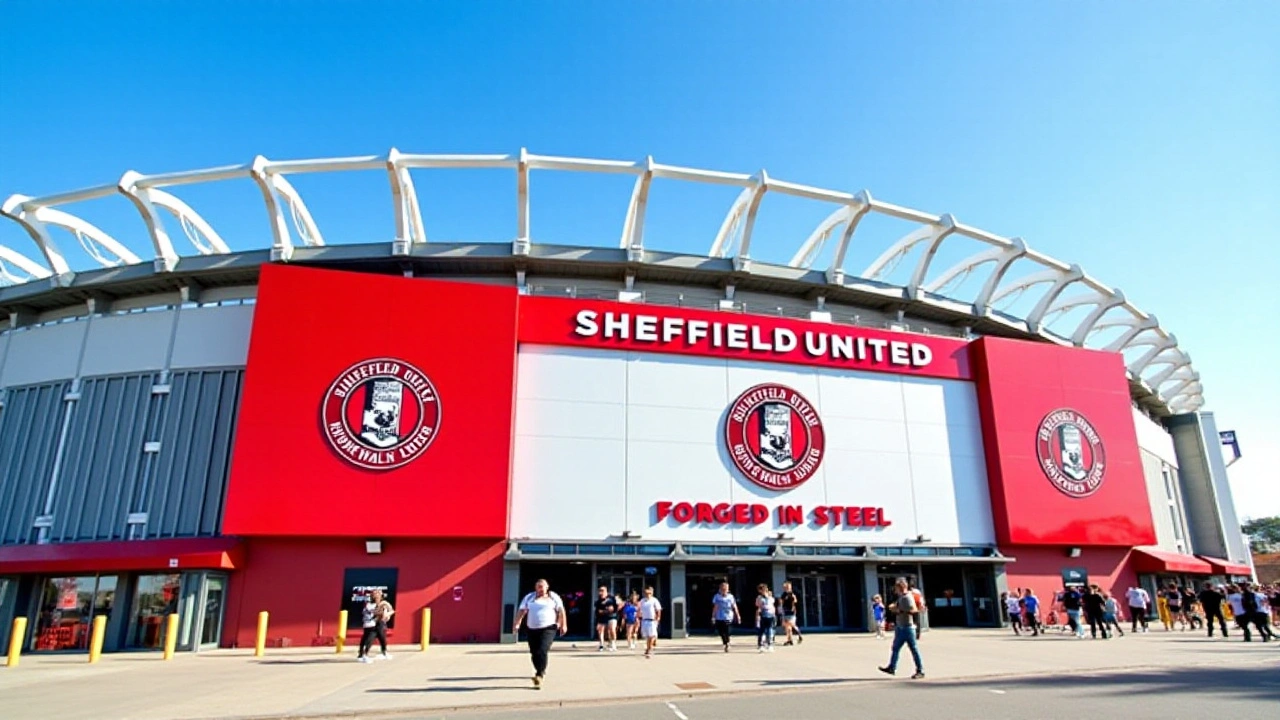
<point>807,682</point>
<point>309,661</point>
<point>478,678</point>
<point>449,689</point>
<point>1262,682</point>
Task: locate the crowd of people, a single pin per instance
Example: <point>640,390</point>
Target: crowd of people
<point>1251,608</point>
<point>636,618</point>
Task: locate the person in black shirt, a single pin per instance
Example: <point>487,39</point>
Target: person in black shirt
<point>1071,599</point>
<point>787,602</point>
<point>1211,603</point>
<point>606,619</point>
<point>1093,608</point>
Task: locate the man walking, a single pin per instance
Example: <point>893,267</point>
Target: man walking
<point>787,603</point>
<point>650,616</point>
<point>1139,601</point>
<point>545,611</point>
<point>1211,603</point>
<point>1072,600</point>
<point>1094,607</point>
<point>904,633</point>
<point>606,620</point>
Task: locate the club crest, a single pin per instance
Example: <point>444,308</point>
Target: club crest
<point>774,437</point>
<point>1071,453</point>
<point>381,414</point>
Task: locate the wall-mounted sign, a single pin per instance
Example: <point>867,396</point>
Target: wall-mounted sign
<point>1071,453</point>
<point>774,436</point>
<point>381,413</point>
<point>359,583</point>
<point>751,514</point>
<point>1075,577</point>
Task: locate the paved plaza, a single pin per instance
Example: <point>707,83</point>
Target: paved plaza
<point>495,679</point>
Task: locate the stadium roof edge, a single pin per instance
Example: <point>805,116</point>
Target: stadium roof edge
<point>1157,366</point>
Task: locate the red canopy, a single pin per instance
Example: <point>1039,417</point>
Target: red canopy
<point>174,554</point>
<point>1159,561</point>
<point>1226,567</point>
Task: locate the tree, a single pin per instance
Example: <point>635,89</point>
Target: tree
<point>1264,533</point>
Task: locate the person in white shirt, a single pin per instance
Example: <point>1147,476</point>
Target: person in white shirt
<point>545,612</point>
<point>1013,610</point>
<point>1139,601</point>
<point>650,616</point>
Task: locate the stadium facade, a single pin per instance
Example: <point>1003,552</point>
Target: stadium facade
<point>222,433</point>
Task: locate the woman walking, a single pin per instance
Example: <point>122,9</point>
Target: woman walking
<point>765,617</point>
<point>724,610</point>
<point>631,617</point>
<point>1111,613</point>
<point>545,612</point>
<point>374,617</point>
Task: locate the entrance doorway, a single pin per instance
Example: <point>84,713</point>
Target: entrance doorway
<point>67,608</point>
<point>703,582</point>
<point>820,601</point>
<point>215,589</point>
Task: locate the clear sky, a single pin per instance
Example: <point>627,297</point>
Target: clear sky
<point>1139,139</point>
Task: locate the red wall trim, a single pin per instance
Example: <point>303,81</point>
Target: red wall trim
<point>176,554</point>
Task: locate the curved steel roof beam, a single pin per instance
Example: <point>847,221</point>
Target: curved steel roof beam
<point>282,243</point>
<point>941,231</point>
<point>1090,322</point>
<point>633,227</point>
<point>890,258</point>
<point>53,257</point>
<point>963,268</point>
<point>103,248</point>
<point>861,205</point>
<point>146,199</point>
<point>986,296</point>
<point>1137,326</point>
<point>1035,319</point>
<point>1181,384</point>
<point>1187,403</point>
<point>404,200</point>
<point>1025,283</point>
<point>812,245</point>
<point>1181,365</point>
<point>742,219</point>
<point>1168,344</point>
<point>33,269</point>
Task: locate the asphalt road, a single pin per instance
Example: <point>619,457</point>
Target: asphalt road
<point>1192,693</point>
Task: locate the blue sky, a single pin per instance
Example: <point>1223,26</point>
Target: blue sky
<point>1138,139</point>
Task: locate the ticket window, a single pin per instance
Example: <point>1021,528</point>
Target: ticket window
<point>67,608</point>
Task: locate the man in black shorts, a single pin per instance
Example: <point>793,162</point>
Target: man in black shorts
<point>606,619</point>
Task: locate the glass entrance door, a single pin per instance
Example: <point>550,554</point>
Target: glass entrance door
<point>819,606</point>
<point>981,590</point>
<point>67,608</point>
<point>215,588</point>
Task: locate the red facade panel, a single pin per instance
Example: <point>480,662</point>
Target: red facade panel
<point>1062,452</point>
<point>1041,569</point>
<point>299,582</point>
<point>374,406</point>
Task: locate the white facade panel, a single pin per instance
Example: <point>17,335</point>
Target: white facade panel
<point>602,437</point>
<point>127,343</point>
<point>42,354</point>
<point>210,337</point>
<point>1153,438</point>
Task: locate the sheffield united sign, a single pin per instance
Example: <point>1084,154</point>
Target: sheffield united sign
<point>774,436</point>
<point>1071,453</point>
<point>380,414</point>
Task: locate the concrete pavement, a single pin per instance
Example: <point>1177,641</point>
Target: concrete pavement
<point>313,682</point>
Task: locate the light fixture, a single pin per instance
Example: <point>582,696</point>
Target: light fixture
<point>780,536</point>
<point>1073,552</point>
<point>373,547</point>
<point>628,535</point>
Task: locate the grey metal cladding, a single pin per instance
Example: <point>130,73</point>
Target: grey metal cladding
<point>29,426</point>
<point>106,472</point>
<point>191,468</point>
<point>101,459</point>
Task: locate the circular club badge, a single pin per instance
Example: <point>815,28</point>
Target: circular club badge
<point>774,436</point>
<point>1071,453</point>
<point>381,413</point>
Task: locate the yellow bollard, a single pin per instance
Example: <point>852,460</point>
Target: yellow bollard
<point>426,628</point>
<point>170,635</point>
<point>341,640</point>
<point>96,637</point>
<point>17,634</point>
<point>260,645</point>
